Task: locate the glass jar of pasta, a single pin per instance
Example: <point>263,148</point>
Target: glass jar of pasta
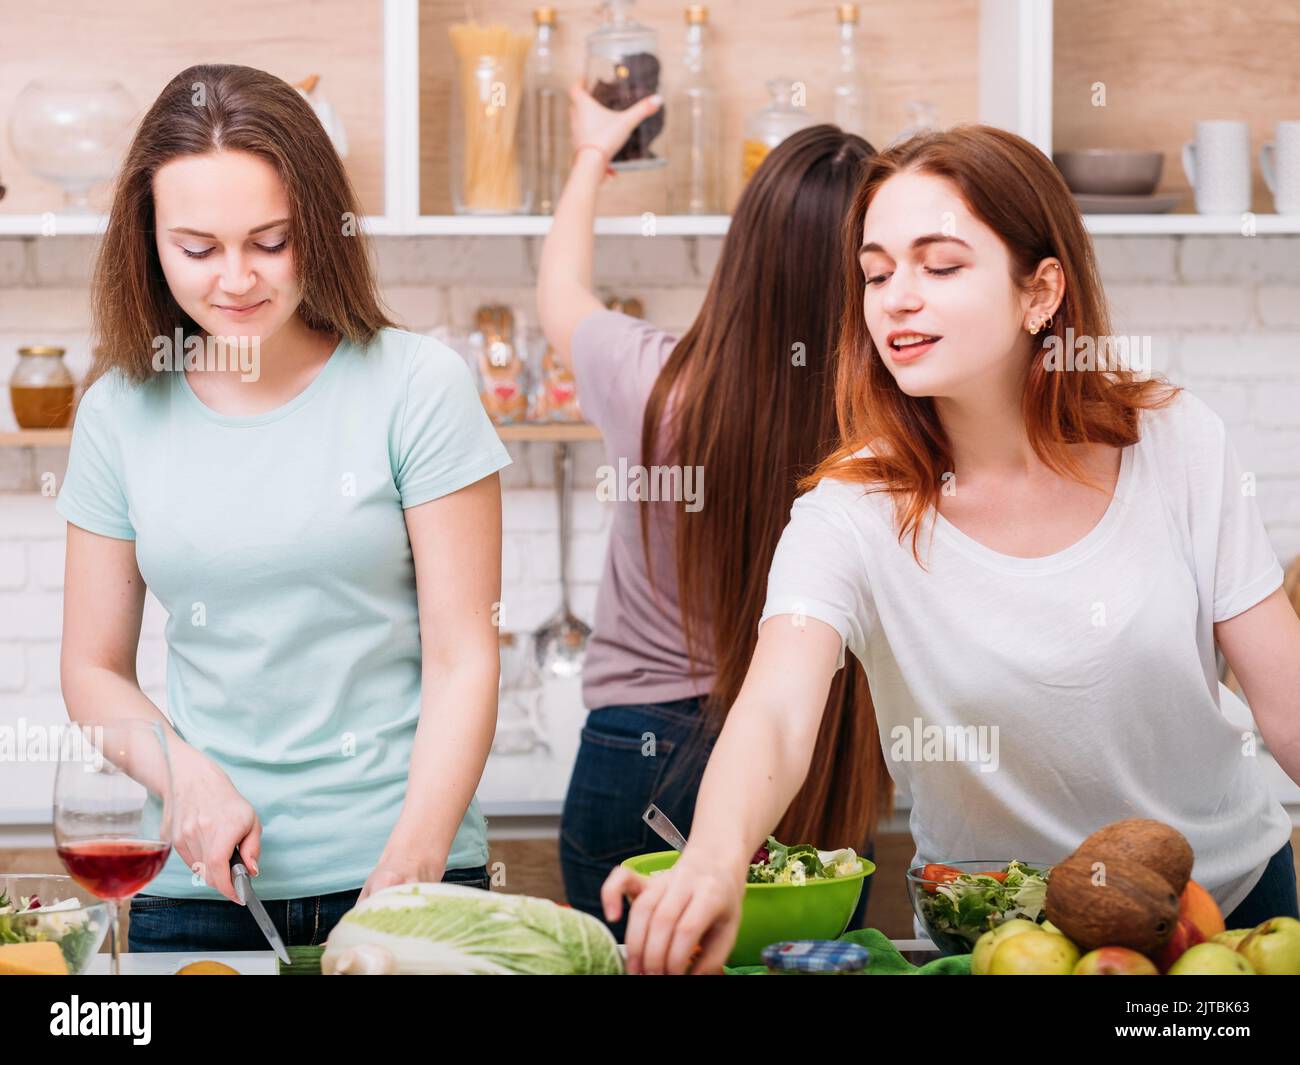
<point>491,168</point>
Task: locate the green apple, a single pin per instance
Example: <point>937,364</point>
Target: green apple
<point>1035,953</point>
<point>988,942</point>
<point>1273,948</point>
<point>1232,937</point>
<point>1047,926</point>
<point>1211,959</point>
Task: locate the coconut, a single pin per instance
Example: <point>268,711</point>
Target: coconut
<point>1130,905</point>
<point>1151,843</point>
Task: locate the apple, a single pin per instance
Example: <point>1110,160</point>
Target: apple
<point>988,942</point>
<point>1211,959</point>
<point>1232,937</point>
<point>1047,926</point>
<point>1273,948</point>
<point>1186,935</point>
<point>1115,961</point>
<point>1035,953</point>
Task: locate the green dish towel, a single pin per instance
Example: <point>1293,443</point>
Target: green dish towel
<point>885,959</point>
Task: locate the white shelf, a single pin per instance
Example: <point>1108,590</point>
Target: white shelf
<point>60,224</point>
<point>676,225</point>
<point>1188,224</point>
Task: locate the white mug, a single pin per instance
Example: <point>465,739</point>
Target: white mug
<point>1279,160</point>
<point>1217,165</point>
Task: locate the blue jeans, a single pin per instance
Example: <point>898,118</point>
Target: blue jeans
<point>614,780</point>
<point>160,923</point>
<point>1273,896</point>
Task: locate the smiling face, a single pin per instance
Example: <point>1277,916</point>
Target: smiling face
<point>222,230</point>
<point>940,302</point>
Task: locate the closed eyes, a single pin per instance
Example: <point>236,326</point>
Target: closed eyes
<point>945,271</point>
<point>271,249</point>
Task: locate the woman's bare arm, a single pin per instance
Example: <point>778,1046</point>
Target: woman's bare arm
<point>564,286</point>
<point>1262,645</point>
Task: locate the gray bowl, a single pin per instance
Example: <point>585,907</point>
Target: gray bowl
<point>1110,171</point>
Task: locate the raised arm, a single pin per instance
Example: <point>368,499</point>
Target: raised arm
<point>757,766</point>
<point>564,289</point>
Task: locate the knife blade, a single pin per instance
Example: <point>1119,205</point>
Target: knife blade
<point>244,889</point>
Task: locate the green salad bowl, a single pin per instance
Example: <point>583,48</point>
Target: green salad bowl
<point>774,913</point>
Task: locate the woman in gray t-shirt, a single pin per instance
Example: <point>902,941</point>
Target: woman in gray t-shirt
<point>702,477</point>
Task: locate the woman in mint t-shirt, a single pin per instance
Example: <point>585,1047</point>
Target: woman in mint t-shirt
<point>312,496</point>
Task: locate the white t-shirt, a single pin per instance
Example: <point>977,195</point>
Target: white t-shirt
<point>1082,683</point>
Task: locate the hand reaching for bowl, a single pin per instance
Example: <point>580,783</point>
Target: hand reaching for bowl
<point>210,819</point>
<point>596,126</point>
<point>682,920</point>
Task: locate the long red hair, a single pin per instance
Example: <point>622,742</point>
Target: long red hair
<point>1014,189</point>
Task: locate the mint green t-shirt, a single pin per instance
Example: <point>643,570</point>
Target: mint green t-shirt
<point>276,543</point>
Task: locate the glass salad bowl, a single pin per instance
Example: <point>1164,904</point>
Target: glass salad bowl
<point>957,902</point>
<point>65,914</point>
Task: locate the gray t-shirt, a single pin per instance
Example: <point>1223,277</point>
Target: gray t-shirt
<point>636,653</point>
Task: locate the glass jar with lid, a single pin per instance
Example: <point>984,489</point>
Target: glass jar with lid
<point>769,126</point>
<point>41,389</point>
<point>622,68</point>
<point>491,168</point>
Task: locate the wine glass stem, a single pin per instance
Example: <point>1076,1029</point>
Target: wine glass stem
<point>115,932</point>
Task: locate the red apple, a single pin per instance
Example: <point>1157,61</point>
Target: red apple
<point>1186,935</point>
<point>1115,961</point>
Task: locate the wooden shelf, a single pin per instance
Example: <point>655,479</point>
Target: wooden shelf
<point>36,438</point>
<point>549,433</point>
<point>523,433</point>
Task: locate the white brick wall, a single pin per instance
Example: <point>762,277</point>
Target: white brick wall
<point>1223,314</point>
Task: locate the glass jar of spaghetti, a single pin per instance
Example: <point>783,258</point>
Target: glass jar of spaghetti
<point>489,150</point>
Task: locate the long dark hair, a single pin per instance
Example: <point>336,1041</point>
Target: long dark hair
<point>748,393</point>
<point>217,107</point>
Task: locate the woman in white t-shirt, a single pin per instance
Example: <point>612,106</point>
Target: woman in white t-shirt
<point>1016,543</point>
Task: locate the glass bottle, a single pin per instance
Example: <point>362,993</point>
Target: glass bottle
<point>769,126</point>
<point>697,127</point>
<point>622,68</point>
<point>489,150</point>
<point>921,116</point>
<point>41,389</point>
<point>548,110</point>
<point>851,108</point>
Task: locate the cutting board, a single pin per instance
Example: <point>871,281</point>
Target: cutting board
<point>165,963</point>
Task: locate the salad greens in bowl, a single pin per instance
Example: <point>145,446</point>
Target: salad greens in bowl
<point>957,902</point>
<point>36,908</point>
<point>791,892</point>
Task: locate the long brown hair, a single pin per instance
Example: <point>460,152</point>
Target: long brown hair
<point>746,395</point>
<point>1014,189</point>
<point>218,107</point>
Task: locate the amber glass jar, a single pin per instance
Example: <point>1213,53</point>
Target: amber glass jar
<point>41,389</point>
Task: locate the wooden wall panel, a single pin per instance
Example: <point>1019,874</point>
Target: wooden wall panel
<point>912,50</point>
<point>1167,64</point>
<point>144,43</point>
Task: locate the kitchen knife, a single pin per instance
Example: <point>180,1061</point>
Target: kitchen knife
<point>244,889</point>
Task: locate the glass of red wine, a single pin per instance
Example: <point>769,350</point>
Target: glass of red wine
<point>112,810</point>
